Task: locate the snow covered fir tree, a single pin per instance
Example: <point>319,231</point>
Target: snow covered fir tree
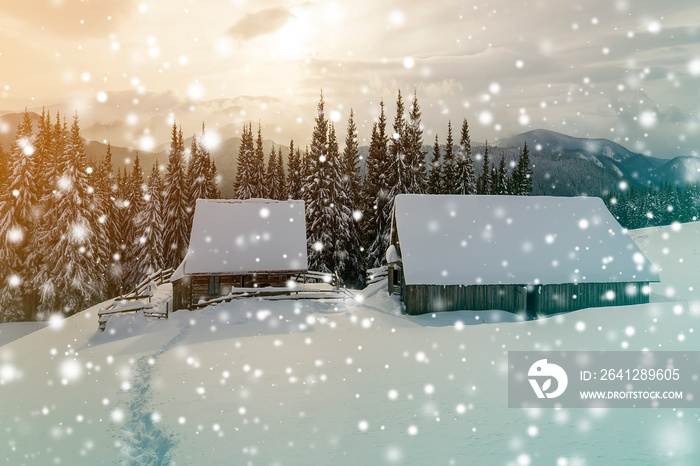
<point>74,232</point>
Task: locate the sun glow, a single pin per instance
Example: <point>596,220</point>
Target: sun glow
<point>289,41</point>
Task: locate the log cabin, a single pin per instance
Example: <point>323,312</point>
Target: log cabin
<point>524,254</point>
<point>240,243</point>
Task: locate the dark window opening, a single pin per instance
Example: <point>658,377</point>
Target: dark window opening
<point>531,302</point>
<point>214,286</point>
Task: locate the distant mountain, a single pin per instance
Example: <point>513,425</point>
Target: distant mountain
<point>610,156</point>
<point>551,142</point>
<point>121,156</point>
<point>684,169</point>
<point>554,175</point>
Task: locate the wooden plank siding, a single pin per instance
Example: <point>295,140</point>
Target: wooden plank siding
<point>191,289</point>
<point>570,297</point>
<point>421,299</point>
<point>547,299</point>
<point>181,293</point>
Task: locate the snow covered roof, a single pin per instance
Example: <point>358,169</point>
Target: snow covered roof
<point>246,236</point>
<point>471,240</point>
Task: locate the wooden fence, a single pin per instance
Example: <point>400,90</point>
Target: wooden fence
<point>278,294</point>
<point>131,301</point>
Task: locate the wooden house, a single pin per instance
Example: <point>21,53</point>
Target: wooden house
<point>240,243</point>
<point>530,255</point>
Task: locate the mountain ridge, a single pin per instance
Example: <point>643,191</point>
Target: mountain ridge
<point>639,168</point>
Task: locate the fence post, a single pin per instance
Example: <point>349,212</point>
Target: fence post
<point>390,279</point>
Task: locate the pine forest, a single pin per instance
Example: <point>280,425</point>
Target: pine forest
<point>73,232</point>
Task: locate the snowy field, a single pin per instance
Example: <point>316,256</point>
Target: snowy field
<point>14,330</point>
<point>301,383</point>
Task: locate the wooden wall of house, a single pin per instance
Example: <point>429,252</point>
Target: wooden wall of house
<point>570,297</point>
<point>195,288</point>
<point>181,293</point>
<point>421,299</point>
<point>544,299</point>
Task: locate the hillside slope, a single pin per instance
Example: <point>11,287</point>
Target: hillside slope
<point>309,382</point>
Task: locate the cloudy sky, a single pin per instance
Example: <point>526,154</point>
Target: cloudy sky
<point>626,70</point>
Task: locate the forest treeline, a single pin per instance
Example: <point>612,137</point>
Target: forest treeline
<point>642,207</point>
<point>73,232</point>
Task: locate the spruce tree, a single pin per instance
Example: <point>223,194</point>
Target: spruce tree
<point>272,188</point>
<point>317,196</point>
<point>515,180</point>
<point>281,177</point>
<point>524,186</point>
<point>77,277</point>
<point>484,182</point>
<point>244,175</point>
<point>502,186</point>
<point>351,164</point>
<point>295,176</point>
<point>108,242</point>
<point>116,266</point>
<point>667,205</point>
<point>46,164</point>
<point>47,175</point>
<point>690,203</point>
<point>354,273</point>
<point>371,185</point>
<point>257,168</point>
<point>4,174</point>
<point>398,172</point>
<point>116,269</point>
<point>195,184</point>
<point>175,239</point>
<point>435,178</point>
<point>58,144</point>
<point>17,222</point>
<point>213,181</point>
<point>465,165</point>
<point>415,175</point>
<point>133,272</point>
<point>149,226</point>
<point>450,174</point>
<point>494,181</point>
<point>376,189</point>
<point>198,173</point>
<point>211,189</point>
<point>305,170</point>
<point>338,211</point>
